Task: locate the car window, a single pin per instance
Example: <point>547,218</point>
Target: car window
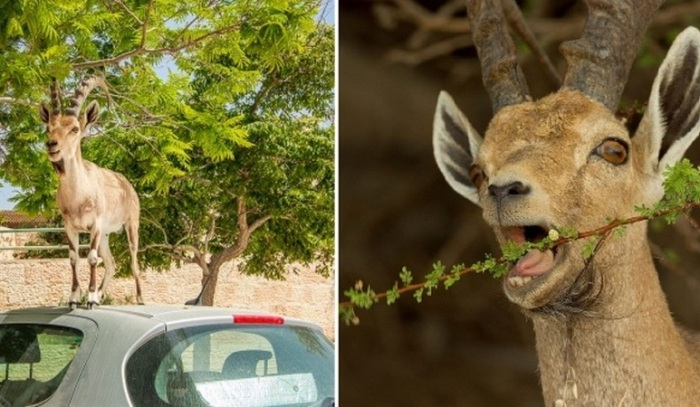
<point>33,361</point>
<point>211,352</point>
<point>231,365</point>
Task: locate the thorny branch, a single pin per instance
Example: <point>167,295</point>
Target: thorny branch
<point>601,232</point>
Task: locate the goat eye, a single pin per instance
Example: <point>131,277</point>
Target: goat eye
<point>613,151</point>
<point>476,174</point>
<point>75,129</point>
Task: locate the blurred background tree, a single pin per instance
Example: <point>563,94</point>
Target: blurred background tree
<point>222,119</point>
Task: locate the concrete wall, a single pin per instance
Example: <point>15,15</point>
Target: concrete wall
<point>304,294</point>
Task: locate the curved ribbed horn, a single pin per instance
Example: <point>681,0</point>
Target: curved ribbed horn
<point>503,78</point>
<point>86,86</point>
<point>599,61</point>
<point>55,98</point>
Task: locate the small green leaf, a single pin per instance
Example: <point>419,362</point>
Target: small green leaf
<point>393,294</point>
<point>501,269</point>
<point>406,276</point>
<point>589,248</point>
<point>568,232</point>
<point>418,295</point>
<point>433,278</point>
<point>347,315</point>
<point>620,231</point>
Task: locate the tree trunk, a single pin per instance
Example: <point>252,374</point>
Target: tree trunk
<point>210,270</point>
<point>209,283</point>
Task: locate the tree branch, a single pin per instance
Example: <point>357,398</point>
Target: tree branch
<point>259,223</point>
<point>242,216</point>
<point>144,25</point>
<point>365,299</point>
<point>262,93</point>
<point>127,10</point>
<point>421,36</point>
<point>430,52</point>
<point>164,50</point>
<point>212,230</point>
<point>149,116</point>
<point>410,10</point>
<point>14,101</point>
<point>518,24</point>
<point>445,22</point>
<point>244,232</point>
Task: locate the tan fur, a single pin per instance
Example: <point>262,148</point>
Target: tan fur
<point>91,199</point>
<point>628,334</point>
<point>604,333</point>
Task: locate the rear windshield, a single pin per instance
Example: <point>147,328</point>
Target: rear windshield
<point>33,361</point>
<point>233,365</point>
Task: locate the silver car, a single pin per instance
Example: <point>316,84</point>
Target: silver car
<point>151,356</point>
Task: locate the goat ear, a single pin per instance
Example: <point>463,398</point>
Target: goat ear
<point>455,144</point>
<point>91,113</point>
<point>44,113</point>
<point>673,114</point>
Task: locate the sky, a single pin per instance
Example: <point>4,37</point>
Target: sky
<point>7,191</point>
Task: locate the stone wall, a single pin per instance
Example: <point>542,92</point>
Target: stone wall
<point>14,239</point>
<point>6,239</point>
<point>304,294</point>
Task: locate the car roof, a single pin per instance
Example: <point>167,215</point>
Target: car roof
<point>154,314</point>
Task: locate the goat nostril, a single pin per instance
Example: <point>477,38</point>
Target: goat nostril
<point>518,188</point>
<point>512,189</point>
<point>51,143</point>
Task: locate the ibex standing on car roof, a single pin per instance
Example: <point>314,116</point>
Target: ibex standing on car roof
<point>604,333</point>
<point>91,199</point>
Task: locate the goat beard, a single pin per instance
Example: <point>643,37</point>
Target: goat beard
<point>59,166</point>
<point>582,295</point>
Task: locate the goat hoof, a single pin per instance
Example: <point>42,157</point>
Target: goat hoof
<point>73,305</point>
<point>94,299</point>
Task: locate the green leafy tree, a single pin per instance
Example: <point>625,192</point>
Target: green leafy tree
<point>221,118</point>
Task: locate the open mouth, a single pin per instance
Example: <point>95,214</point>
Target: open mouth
<point>53,153</point>
<point>535,263</point>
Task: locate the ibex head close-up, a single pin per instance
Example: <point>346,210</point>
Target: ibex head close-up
<point>66,130</point>
<point>567,160</point>
<point>603,329</point>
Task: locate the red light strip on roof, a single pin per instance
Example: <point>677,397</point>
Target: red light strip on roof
<point>258,319</point>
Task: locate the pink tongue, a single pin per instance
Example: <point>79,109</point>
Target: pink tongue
<point>534,263</point>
